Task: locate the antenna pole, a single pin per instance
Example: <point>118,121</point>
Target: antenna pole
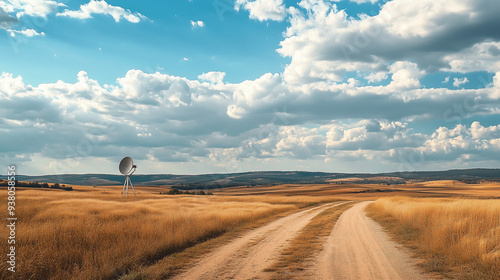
<point>127,179</point>
<point>124,184</point>
<point>128,183</point>
<point>132,185</point>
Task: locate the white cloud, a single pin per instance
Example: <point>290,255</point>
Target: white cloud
<point>25,32</point>
<point>39,8</point>
<point>10,85</point>
<point>260,93</point>
<point>495,94</point>
<point>101,7</point>
<point>476,143</point>
<point>480,57</point>
<point>263,10</point>
<point>324,42</point>
<point>405,75</point>
<point>197,23</point>
<point>235,112</point>
<point>478,131</point>
<point>371,135</point>
<point>427,17</point>
<point>446,80</point>
<point>299,142</point>
<point>174,119</point>
<point>376,77</point>
<point>213,77</point>
<point>458,82</point>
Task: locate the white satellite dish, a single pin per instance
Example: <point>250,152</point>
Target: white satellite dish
<point>127,168</point>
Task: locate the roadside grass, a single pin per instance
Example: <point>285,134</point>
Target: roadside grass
<point>96,234</point>
<point>297,257</point>
<point>456,238</point>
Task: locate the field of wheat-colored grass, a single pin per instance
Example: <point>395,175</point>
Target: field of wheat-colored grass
<point>91,234</point>
<point>459,237</point>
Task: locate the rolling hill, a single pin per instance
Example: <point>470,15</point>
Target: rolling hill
<point>264,178</point>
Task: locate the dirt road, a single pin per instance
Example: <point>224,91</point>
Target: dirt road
<point>246,257</point>
<point>358,248</point>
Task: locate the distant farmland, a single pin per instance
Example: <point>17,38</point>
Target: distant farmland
<point>211,181</point>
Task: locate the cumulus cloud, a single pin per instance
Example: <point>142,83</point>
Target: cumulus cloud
<point>480,57</point>
<point>376,77</point>
<point>495,92</point>
<point>25,32</point>
<point>212,76</point>
<point>372,135</point>
<point>197,23</point>
<point>324,42</point>
<point>405,75</point>
<point>38,8</point>
<point>263,10</point>
<point>299,142</point>
<point>174,119</point>
<point>10,85</point>
<point>457,82</point>
<point>101,7</point>
<point>444,148</point>
<point>463,143</point>
<point>142,110</point>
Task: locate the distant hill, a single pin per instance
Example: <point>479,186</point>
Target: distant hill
<point>263,178</point>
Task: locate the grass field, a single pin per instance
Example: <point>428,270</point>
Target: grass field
<point>98,235</point>
<point>353,191</point>
<point>94,233</point>
<point>459,238</point>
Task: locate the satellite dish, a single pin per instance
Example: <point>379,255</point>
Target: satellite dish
<point>127,168</point>
<point>126,165</point>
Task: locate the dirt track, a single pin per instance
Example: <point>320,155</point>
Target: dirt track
<point>358,248</point>
<point>247,256</point>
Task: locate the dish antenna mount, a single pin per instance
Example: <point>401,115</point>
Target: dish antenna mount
<point>127,168</point>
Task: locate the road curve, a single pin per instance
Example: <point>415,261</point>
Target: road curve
<point>247,256</point>
<point>358,248</point>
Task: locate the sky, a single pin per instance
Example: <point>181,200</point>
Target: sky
<point>222,86</point>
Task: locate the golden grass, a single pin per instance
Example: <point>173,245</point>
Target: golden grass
<point>99,235</point>
<point>297,256</point>
<point>459,238</point>
<point>353,191</point>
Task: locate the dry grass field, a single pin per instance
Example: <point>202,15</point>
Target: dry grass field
<point>353,191</point>
<point>457,237</point>
<point>95,234</point>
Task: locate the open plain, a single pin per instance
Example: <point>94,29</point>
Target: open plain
<point>248,232</point>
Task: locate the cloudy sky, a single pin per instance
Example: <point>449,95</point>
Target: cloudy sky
<point>199,86</point>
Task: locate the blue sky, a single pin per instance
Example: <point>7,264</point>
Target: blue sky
<point>226,86</point>
<point>243,48</point>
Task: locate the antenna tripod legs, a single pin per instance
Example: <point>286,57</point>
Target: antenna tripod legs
<point>126,185</point>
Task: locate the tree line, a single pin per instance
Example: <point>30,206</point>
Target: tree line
<point>175,191</point>
<point>4,183</point>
